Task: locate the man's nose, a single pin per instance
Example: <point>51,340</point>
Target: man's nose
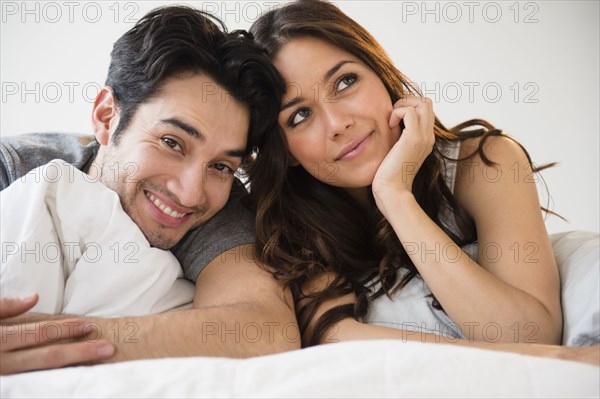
<point>191,185</point>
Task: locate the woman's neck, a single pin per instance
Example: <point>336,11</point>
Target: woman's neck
<point>360,195</point>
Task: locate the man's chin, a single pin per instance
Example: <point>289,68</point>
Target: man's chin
<point>162,242</point>
<point>165,247</point>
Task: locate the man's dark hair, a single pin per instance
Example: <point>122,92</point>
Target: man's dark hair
<point>176,40</point>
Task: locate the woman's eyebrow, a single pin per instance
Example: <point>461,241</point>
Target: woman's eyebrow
<point>291,103</point>
<point>326,77</point>
<point>335,68</point>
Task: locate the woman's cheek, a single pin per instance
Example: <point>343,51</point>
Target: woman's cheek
<point>300,149</point>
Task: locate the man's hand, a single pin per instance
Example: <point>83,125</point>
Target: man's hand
<point>46,344</point>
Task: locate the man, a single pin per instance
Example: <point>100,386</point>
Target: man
<point>184,105</point>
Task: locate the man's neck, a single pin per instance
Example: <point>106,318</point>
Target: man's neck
<point>94,170</point>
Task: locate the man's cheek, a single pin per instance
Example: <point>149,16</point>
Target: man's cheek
<point>219,199</point>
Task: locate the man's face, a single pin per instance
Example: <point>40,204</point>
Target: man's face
<point>173,166</point>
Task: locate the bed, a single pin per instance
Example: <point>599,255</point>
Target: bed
<point>383,368</point>
<point>352,369</point>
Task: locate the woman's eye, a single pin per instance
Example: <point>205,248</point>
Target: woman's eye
<point>345,81</point>
<point>298,117</point>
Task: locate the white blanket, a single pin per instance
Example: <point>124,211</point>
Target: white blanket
<point>68,239</point>
<point>353,369</point>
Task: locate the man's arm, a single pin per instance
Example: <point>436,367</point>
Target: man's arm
<point>240,310</point>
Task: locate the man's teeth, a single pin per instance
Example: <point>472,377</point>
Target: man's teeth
<point>165,209</point>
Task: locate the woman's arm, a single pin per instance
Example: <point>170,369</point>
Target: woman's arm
<point>513,242</point>
<point>514,285</point>
<point>353,330</point>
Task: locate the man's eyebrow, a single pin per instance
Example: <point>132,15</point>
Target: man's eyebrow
<point>235,153</point>
<point>326,77</point>
<point>192,131</point>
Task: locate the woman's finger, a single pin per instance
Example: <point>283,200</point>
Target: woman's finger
<point>411,101</point>
<point>406,114</point>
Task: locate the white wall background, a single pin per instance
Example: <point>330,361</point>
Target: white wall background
<point>529,67</point>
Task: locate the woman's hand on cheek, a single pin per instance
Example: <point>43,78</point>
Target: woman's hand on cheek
<point>399,168</point>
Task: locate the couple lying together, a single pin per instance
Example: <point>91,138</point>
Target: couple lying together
<point>362,216</point>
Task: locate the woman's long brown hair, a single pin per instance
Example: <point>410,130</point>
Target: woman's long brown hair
<point>305,228</point>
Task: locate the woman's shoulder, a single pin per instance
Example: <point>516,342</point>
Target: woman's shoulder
<point>465,164</point>
<point>497,149</point>
<point>501,166</point>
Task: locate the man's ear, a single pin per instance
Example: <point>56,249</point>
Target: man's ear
<point>104,115</point>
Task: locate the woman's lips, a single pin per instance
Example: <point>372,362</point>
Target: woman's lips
<point>355,148</point>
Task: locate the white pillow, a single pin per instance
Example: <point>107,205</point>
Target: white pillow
<point>577,255</point>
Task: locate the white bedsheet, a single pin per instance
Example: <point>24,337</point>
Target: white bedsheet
<point>354,369</point>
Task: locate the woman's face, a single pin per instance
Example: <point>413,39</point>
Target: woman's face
<point>335,113</point>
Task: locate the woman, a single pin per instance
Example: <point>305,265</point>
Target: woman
<point>366,195</point>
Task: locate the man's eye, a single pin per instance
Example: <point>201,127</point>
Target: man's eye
<point>298,117</point>
<point>171,142</point>
<point>221,167</point>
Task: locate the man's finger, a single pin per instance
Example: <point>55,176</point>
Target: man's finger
<point>53,356</point>
<point>10,307</point>
<point>17,336</point>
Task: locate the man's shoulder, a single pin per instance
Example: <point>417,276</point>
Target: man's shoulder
<point>23,153</point>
